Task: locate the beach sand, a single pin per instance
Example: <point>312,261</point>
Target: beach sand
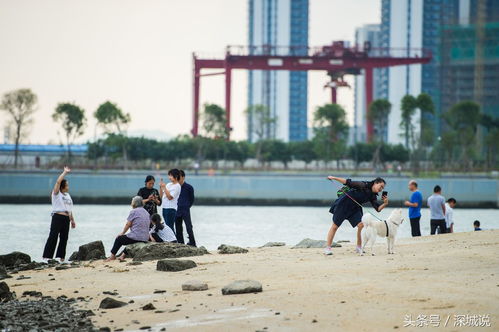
<point>303,290</point>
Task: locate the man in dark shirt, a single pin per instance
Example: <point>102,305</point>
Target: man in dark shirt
<point>185,201</point>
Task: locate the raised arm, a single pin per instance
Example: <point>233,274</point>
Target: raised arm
<point>57,184</point>
<point>352,184</point>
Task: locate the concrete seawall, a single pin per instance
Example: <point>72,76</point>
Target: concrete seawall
<point>307,190</point>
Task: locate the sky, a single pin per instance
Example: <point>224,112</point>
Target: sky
<point>138,54</point>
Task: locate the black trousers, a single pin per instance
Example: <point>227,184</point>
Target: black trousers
<point>122,240</point>
<point>59,228</point>
<point>179,231</point>
<point>415,229</point>
<point>438,223</point>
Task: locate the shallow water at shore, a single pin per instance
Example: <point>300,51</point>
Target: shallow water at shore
<point>25,227</point>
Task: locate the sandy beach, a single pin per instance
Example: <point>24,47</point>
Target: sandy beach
<point>452,276</point>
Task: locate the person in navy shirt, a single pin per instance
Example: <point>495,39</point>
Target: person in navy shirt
<point>414,203</point>
<point>185,202</point>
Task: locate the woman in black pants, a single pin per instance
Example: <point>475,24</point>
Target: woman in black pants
<point>62,217</point>
<point>138,222</point>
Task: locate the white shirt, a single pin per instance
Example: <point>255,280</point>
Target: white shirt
<point>166,234</point>
<point>449,215</point>
<point>174,190</point>
<point>61,202</point>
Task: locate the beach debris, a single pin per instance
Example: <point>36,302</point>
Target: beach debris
<point>309,243</point>
<point>149,306</point>
<point>110,293</point>
<point>194,285</point>
<point>5,294</point>
<point>89,251</point>
<point>14,259</point>
<point>174,265</point>
<point>153,251</point>
<point>226,249</point>
<point>159,291</point>
<point>242,286</point>
<point>110,303</point>
<point>274,244</point>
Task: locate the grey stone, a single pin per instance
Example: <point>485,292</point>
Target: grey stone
<point>274,244</point>
<point>226,249</point>
<point>194,285</point>
<point>309,243</point>
<point>5,294</point>
<point>174,265</point>
<point>73,257</point>
<point>149,306</point>
<point>241,287</point>
<point>14,258</point>
<point>89,251</point>
<point>154,251</point>
<point>3,273</point>
<point>110,303</point>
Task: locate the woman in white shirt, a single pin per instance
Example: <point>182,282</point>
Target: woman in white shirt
<point>62,217</point>
<point>169,194</point>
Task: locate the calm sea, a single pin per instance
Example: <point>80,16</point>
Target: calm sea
<point>25,227</point>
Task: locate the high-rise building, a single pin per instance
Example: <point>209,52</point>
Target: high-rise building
<point>279,27</point>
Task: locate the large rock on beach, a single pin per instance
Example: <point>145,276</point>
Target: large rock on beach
<point>241,287</point>
<point>309,243</point>
<point>153,251</point>
<point>89,251</point>
<point>3,273</point>
<point>274,244</point>
<point>110,303</point>
<point>14,259</point>
<point>174,265</point>
<point>5,294</point>
<point>194,285</point>
<point>226,249</point>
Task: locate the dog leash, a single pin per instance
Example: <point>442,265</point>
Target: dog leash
<point>361,206</point>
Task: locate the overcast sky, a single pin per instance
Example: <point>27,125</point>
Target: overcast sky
<point>138,54</point>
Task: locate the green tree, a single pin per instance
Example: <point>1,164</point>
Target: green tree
<point>114,120</point>
<point>379,110</point>
<point>408,106</point>
<point>304,151</point>
<point>361,152</point>
<point>73,122</point>
<point>427,108</point>
<point>261,123</point>
<point>20,105</point>
<point>331,132</point>
<point>214,121</point>
<point>238,151</point>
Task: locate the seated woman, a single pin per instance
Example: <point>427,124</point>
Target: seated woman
<point>160,233</point>
<point>138,223</point>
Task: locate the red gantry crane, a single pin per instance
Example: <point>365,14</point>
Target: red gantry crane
<point>337,59</point>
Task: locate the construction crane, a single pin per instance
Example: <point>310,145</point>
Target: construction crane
<point>336,59</point>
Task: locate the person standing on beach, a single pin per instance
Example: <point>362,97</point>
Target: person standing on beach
<point>150,195</point>
<point>449,214</point>
<point>414,203</point>
<point>185,202</point>
<point>345,208</point>
<point>62,217</point>
<point>436,203</point>
<point>169,194</point>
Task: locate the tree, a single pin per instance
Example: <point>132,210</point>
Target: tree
<point>331,131</point>
<point>463,118</point>
<point>408,106</point>
<point>112,119</point>
<point>427,107</point>
<point>260,125</point>
<point>73,122</point>
<point>379,110</point>
<point>20,105</point>
<point>304,151</point>
<point>491,138</point>
<point>361,152</point>
<point>214,121</point>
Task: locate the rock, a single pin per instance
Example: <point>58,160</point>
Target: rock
<point>175,265</point>
<point>89,251</point>
<point>110,293</point>
<point>274,244</point>
<point>241,287</point>
<point>5,294</point>
<point>194,285</point>
<point>309,243</point>
<point>3,273</point>
<point>110,303</point>
<point>73,257</point>
<point>14,259</point>
<point>62,267</point>
<point>154,251</point>
<point>225,249</point>
<point>32,293</point>
<point>149,306</point>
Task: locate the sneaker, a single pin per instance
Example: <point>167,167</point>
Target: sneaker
<point>328,251</point>
<point>359,250</point>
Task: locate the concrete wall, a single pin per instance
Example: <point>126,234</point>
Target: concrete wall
<point>116,187</point>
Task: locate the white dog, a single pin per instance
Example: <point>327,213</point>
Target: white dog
<point>388,228</point>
